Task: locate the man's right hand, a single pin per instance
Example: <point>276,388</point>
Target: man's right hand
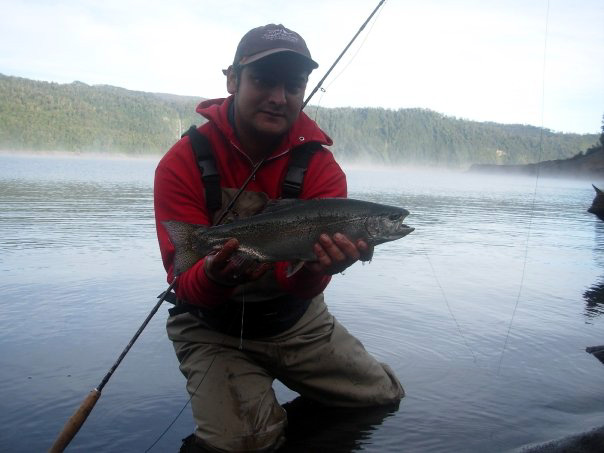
<point>228,269</point>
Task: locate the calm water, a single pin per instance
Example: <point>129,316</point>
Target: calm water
<point>80,271</point>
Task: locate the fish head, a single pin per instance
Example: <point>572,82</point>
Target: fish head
<point>387,225</point>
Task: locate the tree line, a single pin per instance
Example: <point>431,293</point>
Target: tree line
<point>78,117</point>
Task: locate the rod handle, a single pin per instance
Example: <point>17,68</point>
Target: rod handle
<point>75,422</point>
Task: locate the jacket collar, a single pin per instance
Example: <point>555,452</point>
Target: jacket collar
<point>303,130</point>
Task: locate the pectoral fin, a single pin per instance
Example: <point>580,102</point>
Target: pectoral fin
<point>292,268</point>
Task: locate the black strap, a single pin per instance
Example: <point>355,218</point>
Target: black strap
<point>178,307</point>
<point>207,165</point>
<point>170,297</point>
<point>292,184</point>
<point>298,163</point>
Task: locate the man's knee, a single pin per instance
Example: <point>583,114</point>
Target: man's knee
<point>393,391</point>
<point>257,428</point>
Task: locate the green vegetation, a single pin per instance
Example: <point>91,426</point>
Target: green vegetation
<point>78,117</point>
<point>598,147</point>
<point>425,137</point>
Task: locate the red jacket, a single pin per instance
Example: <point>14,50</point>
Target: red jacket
<point>179,194</point>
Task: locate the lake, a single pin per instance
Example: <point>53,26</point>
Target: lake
<point>484,312</point>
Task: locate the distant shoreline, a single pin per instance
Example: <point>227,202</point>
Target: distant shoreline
<point>581,166</point>
<point>79,117</point>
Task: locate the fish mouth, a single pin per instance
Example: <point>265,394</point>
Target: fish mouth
<point>401,229</point>
<point>399,219</point>
<point>389,227</point>
<point>404,230</point>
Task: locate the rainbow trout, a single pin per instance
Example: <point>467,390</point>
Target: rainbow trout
<point>287,229</point>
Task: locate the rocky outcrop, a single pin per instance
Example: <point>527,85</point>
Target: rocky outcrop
<point>589,165</point>
<point>597,206</point>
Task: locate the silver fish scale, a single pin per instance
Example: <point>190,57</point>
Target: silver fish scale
<point>289,233</point>
<point>287,230</point>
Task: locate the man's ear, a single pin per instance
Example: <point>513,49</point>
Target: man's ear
<point>231,80</point>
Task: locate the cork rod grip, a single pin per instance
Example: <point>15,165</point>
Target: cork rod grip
<point>76,421</point>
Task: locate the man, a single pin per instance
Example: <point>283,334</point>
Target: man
<point>239,325</point>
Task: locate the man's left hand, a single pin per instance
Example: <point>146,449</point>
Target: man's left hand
<point>337,253</point>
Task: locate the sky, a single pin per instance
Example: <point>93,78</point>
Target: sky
<point>538,62</point>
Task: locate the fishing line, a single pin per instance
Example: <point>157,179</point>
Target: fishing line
<point>324,90</point>
<point>449,307</point>
<point>357,51</point>
<point>188,401</point>
<point>341,54</point>
<point>532,212</point>
<point>204,375</point>
<point>242,313</point>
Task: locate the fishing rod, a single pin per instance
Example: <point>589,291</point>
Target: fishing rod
<point>75,422</point>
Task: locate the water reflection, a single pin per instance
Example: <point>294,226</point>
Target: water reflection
<point>313,427</point>
<point>594,299</point>
<point>594,295</point>
<point>41,214</point>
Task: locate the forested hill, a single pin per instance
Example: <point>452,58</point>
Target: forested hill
<point>78,117</point>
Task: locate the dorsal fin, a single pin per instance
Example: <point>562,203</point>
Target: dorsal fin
<point>279,205</point>
<point>598,190</point>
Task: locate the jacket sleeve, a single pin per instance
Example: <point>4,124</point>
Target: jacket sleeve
<point>324,179</point>
<point>179,195</point>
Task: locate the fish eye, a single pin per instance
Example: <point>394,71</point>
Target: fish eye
<point>394,216</point>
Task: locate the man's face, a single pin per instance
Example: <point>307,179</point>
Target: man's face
<point>268,95</point>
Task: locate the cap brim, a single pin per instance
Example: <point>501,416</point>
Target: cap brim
<point>260,55</point>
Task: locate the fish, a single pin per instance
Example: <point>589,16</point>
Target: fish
<point>287,229</point>
<point>597,206</point>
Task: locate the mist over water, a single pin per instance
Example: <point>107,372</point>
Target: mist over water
<point>81,269</point>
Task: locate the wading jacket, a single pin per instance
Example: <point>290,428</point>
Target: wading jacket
<point>179,195</point>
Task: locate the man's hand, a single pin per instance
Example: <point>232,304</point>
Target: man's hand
<point>228,269</point>
<point>337,253</point>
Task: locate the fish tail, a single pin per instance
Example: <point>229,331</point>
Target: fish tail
<point>180,234</point>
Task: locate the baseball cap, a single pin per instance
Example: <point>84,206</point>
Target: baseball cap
<point>270,39</point>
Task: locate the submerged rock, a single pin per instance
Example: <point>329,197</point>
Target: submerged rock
<point>581,166</point>
<point>597,206</point>
<point>597,352</point>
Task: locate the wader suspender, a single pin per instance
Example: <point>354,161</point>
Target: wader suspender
<point>207,165</point>
<point>298,163</point>
<point>292,184</point>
